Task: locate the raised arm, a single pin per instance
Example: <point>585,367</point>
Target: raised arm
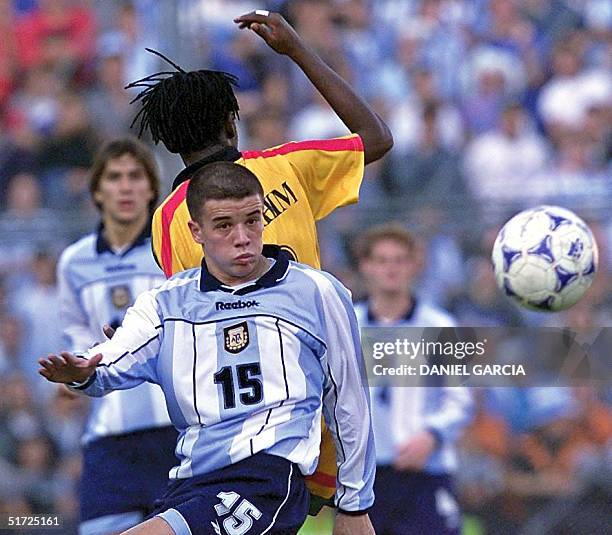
<point>358,117</point>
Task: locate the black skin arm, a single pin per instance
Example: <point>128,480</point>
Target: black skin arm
<point>354,112</point>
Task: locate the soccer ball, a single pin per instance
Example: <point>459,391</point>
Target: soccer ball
<point>545,258</point>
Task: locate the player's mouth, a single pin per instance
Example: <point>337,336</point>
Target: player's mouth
<point>126,205</point>
<point>244,259</point>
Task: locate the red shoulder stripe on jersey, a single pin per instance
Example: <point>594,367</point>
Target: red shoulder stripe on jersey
<point>322,479</point>
<point>166,216</point>
<point>329,145</point>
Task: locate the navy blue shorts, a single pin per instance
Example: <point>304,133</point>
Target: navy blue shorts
<point>413,503</point>
<point>260,494</point>
<point>122,477</point>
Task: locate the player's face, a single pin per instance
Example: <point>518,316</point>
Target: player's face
<point>124,191</point>
<point>390,268</point>
<point>231,232</point>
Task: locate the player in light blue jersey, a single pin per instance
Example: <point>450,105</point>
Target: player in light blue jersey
<point>99,278</point>
<point>415,428</point>
<point>249,350</point>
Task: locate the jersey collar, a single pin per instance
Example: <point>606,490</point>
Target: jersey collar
<point>208,283</point>
<point>226,154</point>
<point>102,246</point>
<point>408,316</point>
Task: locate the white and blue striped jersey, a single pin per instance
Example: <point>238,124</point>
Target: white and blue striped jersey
<point>250,369</point>
<point>97,286</point>
<point>400,412</point>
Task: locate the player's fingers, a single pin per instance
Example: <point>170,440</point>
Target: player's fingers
<point>45,364</point>
<point>254,16</point>
<point>95,360</point>
<point>261,30</point>
<point>45,373</point>
<point>57,361</point>
<point>69,358</point>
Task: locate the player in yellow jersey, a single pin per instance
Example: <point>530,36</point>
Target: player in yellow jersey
<point>194,114</point>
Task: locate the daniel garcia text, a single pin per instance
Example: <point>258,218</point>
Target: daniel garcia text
<point>451,369</point>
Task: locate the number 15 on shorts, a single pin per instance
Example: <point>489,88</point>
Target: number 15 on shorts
<point>240,519</point>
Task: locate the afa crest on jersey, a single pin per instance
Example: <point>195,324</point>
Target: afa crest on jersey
<point>236,337</point>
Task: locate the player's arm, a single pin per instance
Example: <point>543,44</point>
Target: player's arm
<point>125,361</point>
<point>358,117</point>
<point>346,403</point>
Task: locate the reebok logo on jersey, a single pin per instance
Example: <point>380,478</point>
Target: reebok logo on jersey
<point>220,305</point>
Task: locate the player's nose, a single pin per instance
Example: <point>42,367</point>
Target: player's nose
<point>125,184</point>
<point>241,236</point>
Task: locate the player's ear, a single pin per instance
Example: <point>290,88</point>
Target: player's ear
<point>231,130</point>
<point>151,192</point>
<point>196,231</point>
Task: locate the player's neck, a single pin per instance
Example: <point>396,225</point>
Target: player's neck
<point>389,308</point>
<point>198,155</point>
<point>119,235</point>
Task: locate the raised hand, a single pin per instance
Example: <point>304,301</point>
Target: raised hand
<point>273,29</point>
<point>66,368</point>
<point>354,112</point>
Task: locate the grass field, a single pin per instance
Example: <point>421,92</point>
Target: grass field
<point>322,524</point>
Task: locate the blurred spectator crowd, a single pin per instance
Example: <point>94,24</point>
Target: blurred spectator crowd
<point>495,106</point>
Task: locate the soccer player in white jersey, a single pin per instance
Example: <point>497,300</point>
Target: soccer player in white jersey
<point>415,428</point>
<point>129,440</point>
<point>249,350</point>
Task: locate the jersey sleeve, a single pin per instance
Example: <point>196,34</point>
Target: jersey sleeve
<point>330,171</point>
<point>130,357</point>
<point>346,402</point>
<point>75,326</point>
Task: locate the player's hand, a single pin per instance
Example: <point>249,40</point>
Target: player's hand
<point>353,525</point>
<point>66,368</point>
<point>108,331</point>
<point>273,29</point>
<point>415,452</point>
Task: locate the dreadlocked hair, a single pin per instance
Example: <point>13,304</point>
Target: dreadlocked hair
<point>186,111</point>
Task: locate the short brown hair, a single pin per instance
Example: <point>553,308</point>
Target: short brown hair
<point>390,231</point>
<point>220,180</point>
<point>117,148</point>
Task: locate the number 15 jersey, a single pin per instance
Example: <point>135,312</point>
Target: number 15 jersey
<point>250,369</point>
